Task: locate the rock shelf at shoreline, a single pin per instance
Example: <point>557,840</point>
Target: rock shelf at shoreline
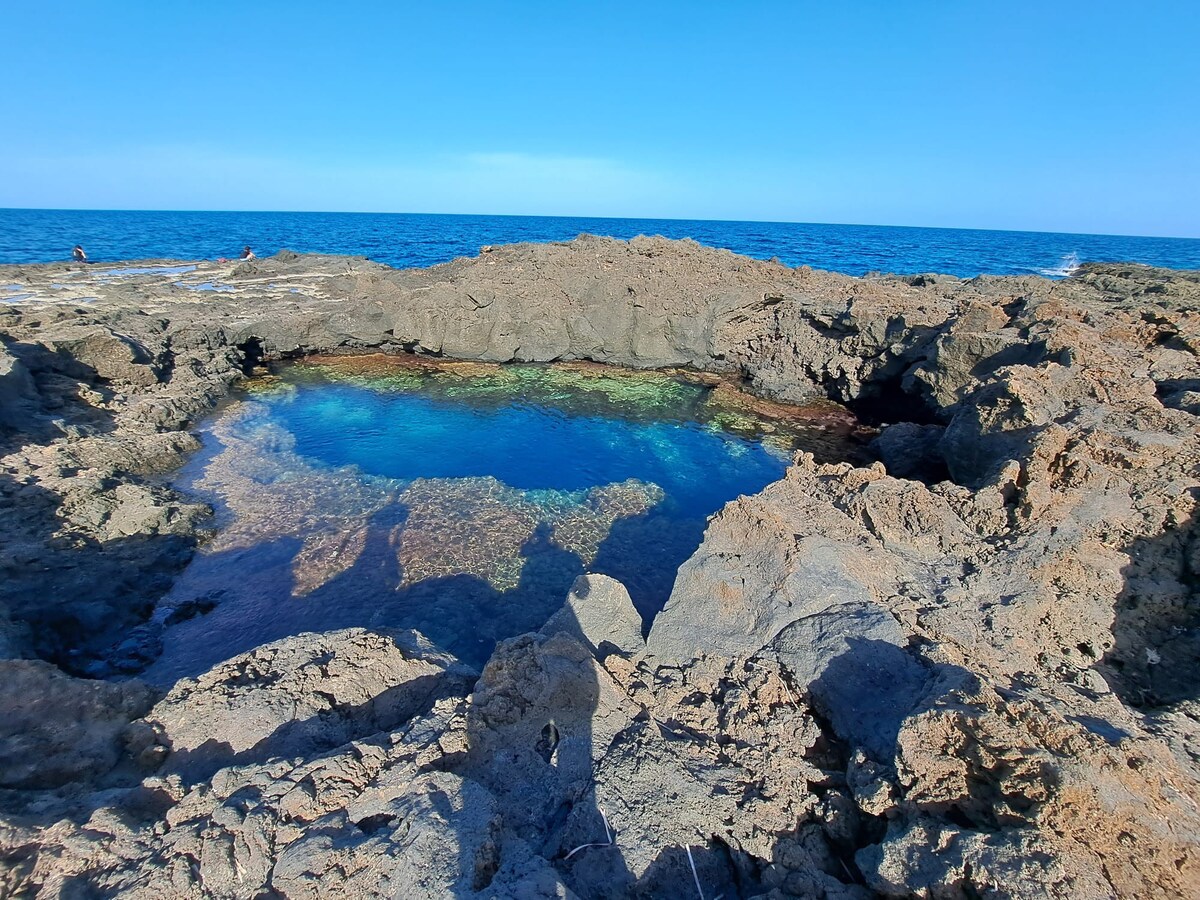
<point>969,669</point>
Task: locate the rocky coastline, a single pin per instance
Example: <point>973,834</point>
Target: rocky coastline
<point>968,669</point>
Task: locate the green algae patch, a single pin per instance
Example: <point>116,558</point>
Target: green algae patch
<point>826,429</point>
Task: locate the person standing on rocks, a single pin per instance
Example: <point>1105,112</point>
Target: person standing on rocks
<point>247,253</point>
<point>78,255</point>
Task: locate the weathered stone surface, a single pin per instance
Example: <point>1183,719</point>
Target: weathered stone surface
<point>598,611</point>
<point>55,729</point>
<point>899,679</point>
<point>111,356</point>
<point>296,697</point>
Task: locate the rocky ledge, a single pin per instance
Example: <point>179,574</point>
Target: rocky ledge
<point>971,669</point>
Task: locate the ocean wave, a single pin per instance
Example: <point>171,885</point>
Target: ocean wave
<point>1067,266</point>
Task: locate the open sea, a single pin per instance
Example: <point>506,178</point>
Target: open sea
<point>407,240</point>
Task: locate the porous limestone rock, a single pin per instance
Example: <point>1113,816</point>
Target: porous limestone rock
<point>969,670</point>
<point>295,697</point>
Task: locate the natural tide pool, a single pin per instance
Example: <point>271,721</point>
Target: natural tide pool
<point>460,499</point>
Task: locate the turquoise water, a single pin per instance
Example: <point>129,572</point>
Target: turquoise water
<point>532,433</point>
<point>42,235</point>
<point>461,501</point>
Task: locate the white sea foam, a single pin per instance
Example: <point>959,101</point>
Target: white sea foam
<point>1068,265</point>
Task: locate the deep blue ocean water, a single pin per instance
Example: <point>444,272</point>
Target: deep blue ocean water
<point>405,240</point>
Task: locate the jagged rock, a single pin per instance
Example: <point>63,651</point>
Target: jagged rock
<point>981,680</point>
<point>850,659</point>
<point>761,568</point>
<point>57,730</point>
<point>296,697</point>
<point>993,866</point>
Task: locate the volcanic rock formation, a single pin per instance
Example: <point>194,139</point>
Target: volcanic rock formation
<point>969,670</point>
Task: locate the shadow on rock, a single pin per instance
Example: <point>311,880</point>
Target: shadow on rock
<point>73,597</point>
<point>1155,659</point>
<point>297,699</point>
<point>867,691</point>
<point>550,731</point>
<point>82,564</point>
<point>42,394</point>
<point>644,553</point>
<point>532,742</point>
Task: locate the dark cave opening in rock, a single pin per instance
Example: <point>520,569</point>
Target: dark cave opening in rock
<point>887,401</point>
<point>253,355</point>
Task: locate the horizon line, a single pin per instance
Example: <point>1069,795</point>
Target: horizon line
<point>318,212</point>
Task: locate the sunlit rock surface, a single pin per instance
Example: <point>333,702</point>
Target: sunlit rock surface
<point>970,670</point>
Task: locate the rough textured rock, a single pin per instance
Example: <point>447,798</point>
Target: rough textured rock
<point>909,450</point>
<point>598,611</point>
<point>55,729</point>
<point>17,391</point>
<point>296,697</point>
<point>969,670</point>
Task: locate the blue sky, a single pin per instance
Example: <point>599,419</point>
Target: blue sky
<point>1060,116</point>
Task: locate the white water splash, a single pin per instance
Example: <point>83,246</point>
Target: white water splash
<point>1067,266</point>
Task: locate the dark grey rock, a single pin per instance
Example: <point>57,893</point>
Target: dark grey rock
<point>912,451</point>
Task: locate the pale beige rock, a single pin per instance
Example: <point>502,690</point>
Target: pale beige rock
<point>861,684</point>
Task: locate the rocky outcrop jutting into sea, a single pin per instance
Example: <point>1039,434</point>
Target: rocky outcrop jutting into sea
<point>969,669</point>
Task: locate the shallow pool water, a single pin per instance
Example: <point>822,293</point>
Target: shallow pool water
<point>532,429</point>
<point>211,286</point>
<point>458,499</point>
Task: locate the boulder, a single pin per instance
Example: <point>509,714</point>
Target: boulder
<point>598,612</point>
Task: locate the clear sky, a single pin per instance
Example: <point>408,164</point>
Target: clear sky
<point>1055,116</point>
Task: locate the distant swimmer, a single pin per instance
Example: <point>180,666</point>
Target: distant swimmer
<point>247,253</point>
<point>78,255</point>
